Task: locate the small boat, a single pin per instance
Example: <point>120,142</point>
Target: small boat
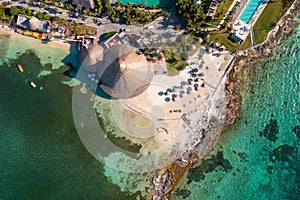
<point>32,84</point>
<point>20,68</point>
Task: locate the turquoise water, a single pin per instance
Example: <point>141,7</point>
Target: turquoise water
<point>160,3</point>
<point>249,10</point>
<point>259,157</point>
<point>41,155</point>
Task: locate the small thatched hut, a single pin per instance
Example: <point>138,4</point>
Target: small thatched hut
<point>34,23</point>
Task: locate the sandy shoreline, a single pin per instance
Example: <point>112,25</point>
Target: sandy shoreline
<point>62,44</point>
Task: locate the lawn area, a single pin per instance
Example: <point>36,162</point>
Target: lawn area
<point>222,37</point>
<point>246,44</point>
<point>175,63</point>
<point>108,35</point>
<point>265,23</point>
<point>268,19</point>
<point>221,11</point>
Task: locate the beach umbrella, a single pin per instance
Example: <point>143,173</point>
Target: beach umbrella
<point>196,86</point>
<point>160,93</point>
<point>174,95</point>
<point>169,90</point>
<point>190,81</point>
<point>167,99</point>
<point>189,89</point>
<point>183,83</point>
<point>182,92</point>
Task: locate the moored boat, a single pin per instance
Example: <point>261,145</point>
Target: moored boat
<point>32,84</point>
<point>20,68</point>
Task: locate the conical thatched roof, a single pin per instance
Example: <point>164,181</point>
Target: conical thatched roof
<point>123,74</point>
<point>90,57</point>
<point>34,23</point>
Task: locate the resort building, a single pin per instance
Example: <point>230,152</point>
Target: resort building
<point>124,38</point>
<point>32,23</point>
<point>83,4</point>
<point>22,21</point>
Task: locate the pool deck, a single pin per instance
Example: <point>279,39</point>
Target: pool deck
<point>238,13</point>
<point>242,29</point>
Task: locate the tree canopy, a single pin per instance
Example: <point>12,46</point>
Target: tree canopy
<point>192,14</point>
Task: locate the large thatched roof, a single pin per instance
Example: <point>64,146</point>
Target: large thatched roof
<point>34,23</point>
<point>123,74</point>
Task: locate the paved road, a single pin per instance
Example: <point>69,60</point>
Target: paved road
<point>106,24</point>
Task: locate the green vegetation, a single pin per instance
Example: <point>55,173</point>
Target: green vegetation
<point>3,13</point>
<point>6,14</point>
<point>246,44</point>
<point>223,37</point>
<point>270,16</point>
<point>176,53</point>
<point>134,15</point>
<point>80,29</point>
<point>43,16</point>
<point>220,12</point>
<point>109,34</point>
<point>192,13</point>
<point>102,6</point>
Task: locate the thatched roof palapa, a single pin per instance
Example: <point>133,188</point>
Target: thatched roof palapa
<point>123,73</point>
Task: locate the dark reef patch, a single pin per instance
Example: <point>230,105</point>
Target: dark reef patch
<point>270,169</point>
<point>296,130</point>
<point>48,66</point>
<point>209,165</point>
<point>283,153</point>
<point>243,156</point>
<point>185,193</point>
<point>271,131</point>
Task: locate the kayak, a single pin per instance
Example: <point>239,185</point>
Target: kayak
<point>20,68</point>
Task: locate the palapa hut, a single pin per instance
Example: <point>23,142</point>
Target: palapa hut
<point>35,24</point>
<point>123,74</point>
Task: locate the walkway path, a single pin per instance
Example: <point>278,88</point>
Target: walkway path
<point>252,36</point>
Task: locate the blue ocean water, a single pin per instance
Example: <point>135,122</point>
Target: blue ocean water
<point>259,157</point>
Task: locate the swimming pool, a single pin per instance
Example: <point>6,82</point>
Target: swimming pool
<point>249,10</point>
